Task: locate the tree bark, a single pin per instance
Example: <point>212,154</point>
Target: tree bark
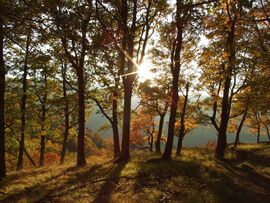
<point>43,130</point>
<point>268,132</point>
<point>66,112</point>
<point>237,137</point>
<point>115,125</point>
<point>80,146</point>
<point>160,129</point>
<point>225,109</point>
<point>222,140</point>
<point>182,123</point>
<point>23,105</point>
<point>258,133</point>
<point>128,80</point>
<point>125,155</point>
<point>43,120</point>
<point>175,71</point>
<point>2,102</point>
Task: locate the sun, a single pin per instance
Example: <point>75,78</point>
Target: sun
<point>144,71</point>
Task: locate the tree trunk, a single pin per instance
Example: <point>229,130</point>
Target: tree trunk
<point>222,140</point>
<point>160,129</point>
<point>124,155</point>
<point>2,102</point>
<point>43,121</point>
<point>268,132</point>
<point>175,71</point>
<point>80,146</point>
<point>128,46</point>
<point>258,133</point>
<point>29,157</point>
<point>151,143</point>
<point>42,151</point>
<point>66,112</point>
<point>182,124</point>
<point>43,132</point>
<point>179,144</point>
<point>23,105</point>
<point>115,125</point>
<point>237,137</point>
<point>225,109</point>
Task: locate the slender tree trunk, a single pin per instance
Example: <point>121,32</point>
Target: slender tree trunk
<point>237,137</point>
<point>80,146</point>
<point>225,109</point>
<point>268,132</point>
<point>66,112</point>
<point>23,105</point>
<point>2,102</point>
<point>175,70</point>
<point>42,138</point>
<point>115,125</point>
<point>258,133</point>
<point>29,157</point>
<point>160,129</point>
<point>182,124</point>
<point>43,121</point>
<point>179,144</point>
<point>42,151</point>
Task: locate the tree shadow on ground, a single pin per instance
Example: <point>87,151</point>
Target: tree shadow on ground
<point>253,156</point>
<point>48,187</point>
<point>105,193</point>
<point>224,185</point>
<point>78,181</point>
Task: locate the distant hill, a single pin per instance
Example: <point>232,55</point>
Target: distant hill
<point>196,138</point>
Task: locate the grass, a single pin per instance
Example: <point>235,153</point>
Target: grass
<point>194,177</point>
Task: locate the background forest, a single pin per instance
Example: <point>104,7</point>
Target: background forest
<point>154,70</point>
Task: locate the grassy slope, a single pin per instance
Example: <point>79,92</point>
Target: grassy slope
<point>193,177</point>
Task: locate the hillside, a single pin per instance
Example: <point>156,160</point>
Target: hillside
<point>194,177</point>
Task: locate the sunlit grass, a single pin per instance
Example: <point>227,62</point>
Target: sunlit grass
<point>195,176</point>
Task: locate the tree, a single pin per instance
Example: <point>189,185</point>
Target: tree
<point>227,75</point>
<point>2,98</point>
<point>107,94</point>
<point>133,27</point>
<point>182,129</point>
<point>143,129</point>
<point>72,27</point>
<point>154,97</point>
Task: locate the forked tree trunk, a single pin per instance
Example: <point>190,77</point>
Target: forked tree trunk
<point>182,124</point>
<point>2,101</point>
<point>237,137</point>
<point>225,109</point>
<point>175,71</point>
<point>222,139</point>
<point>23,105</point>
<point>128,47</point>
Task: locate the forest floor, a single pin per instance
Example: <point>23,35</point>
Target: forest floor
<point>194,177</point>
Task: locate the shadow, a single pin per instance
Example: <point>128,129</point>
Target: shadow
<point>106,190</point>
<point>261,160</point>
<point>80,180</point>
<point>226,185</point>
<point>46,188</point>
